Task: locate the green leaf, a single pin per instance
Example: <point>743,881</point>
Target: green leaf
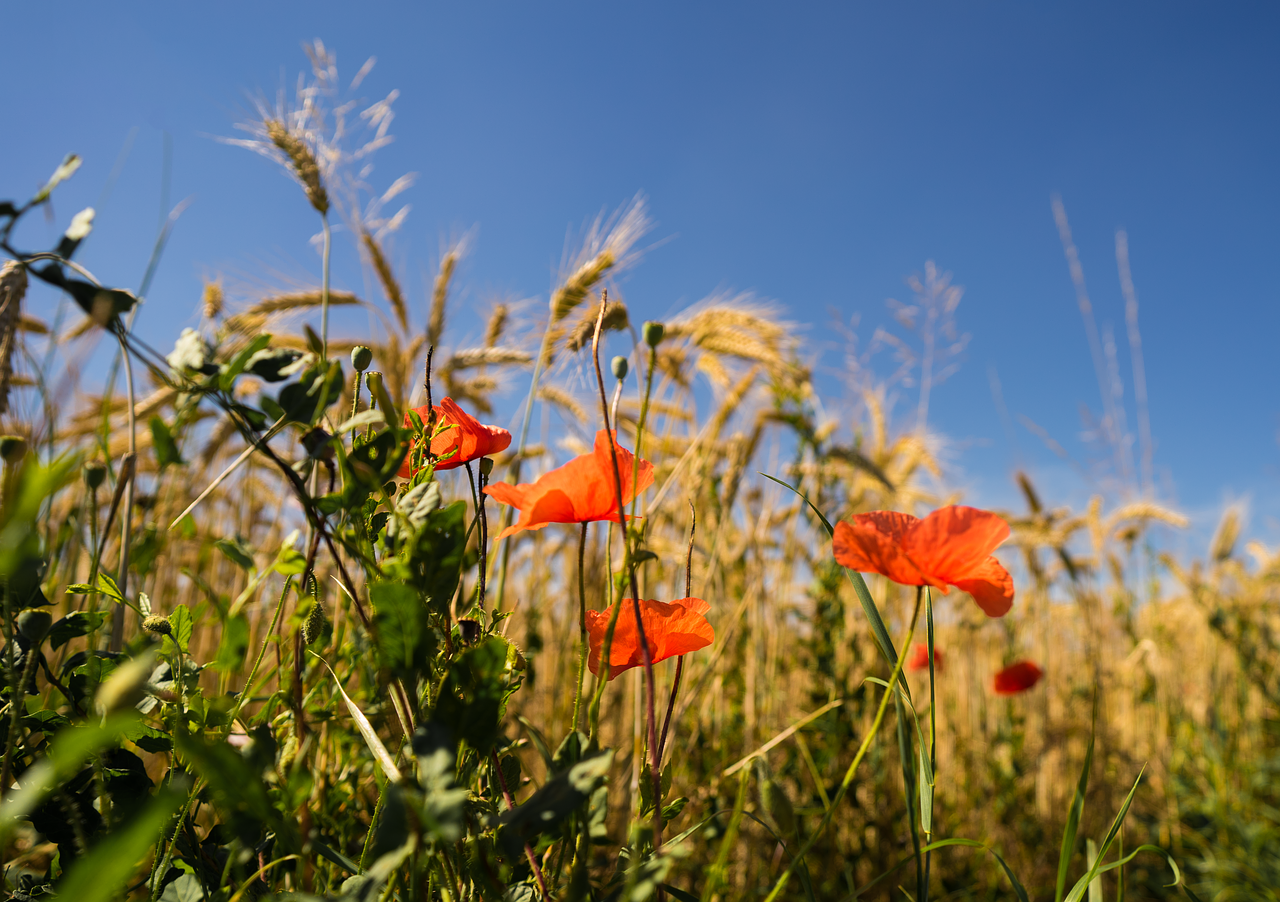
<point>1073,824</point>
<point>181,623</point>
<point>100,875</point>
<point>69,750</point>
<point>436,555</point>
<point>406,642</point>
<point>166,448</point>
<point>553,802</point>
<point>236,365</point>
<point>236,549</point>
<point>234,644</point>
<point>74,625</point>
<point>186,888</point>
<point>471,700</point>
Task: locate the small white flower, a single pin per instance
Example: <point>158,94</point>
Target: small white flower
<point>190,352</point>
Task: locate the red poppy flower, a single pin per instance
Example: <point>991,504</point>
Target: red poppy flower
<point>671,629</point>
<point>950,547</point>
<point>1017,678</point>
<point>582,491</point>
<point>919,659</point>
<point>459,438</point>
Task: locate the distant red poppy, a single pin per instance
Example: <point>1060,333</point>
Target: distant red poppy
<point>582,491</point>
<point>950,547</point>
<point>671,629</point>
<point>1017,678</point>
<point>459,437</point>
<point>919,659</point>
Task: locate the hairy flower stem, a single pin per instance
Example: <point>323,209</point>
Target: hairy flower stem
<point>849,774</point>
<point>655,772</point>
<point>640,424</point>
<point>933,730</point>
<point>506,797</point>
<point>582,623</point>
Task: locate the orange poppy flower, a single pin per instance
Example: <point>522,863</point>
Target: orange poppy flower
<point>950,547</point>
<point>582,491</point>
<point>459,435</point>
<point>1017,678</point>
<point>671,629</point>
<point>919,659</point>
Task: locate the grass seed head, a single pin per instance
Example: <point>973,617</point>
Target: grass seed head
<point>302,162</point>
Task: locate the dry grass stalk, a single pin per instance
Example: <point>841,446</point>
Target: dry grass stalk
<point>440,296</point>
<point>496,324</point>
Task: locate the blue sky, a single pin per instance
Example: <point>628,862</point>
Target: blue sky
<point>814,154</point>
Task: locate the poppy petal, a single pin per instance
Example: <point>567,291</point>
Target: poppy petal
<point>919,659</point>
<point>873,543</point>
<point>991,587</point>
<point>670,629</point>
<point>954,540</point>
<point>1017,678</point>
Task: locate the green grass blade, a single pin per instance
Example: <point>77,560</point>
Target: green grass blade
<point>1018,888</point>
<point>1082,886</point>
<point>1073,824</point>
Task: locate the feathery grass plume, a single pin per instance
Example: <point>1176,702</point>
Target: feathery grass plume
<point>212,299</point>
<point>302,163</point>
<point>386,277</point>
<point>608,245</point>
<point>564,401</point>
<point>496,324</point>
<point>13,287</point>
<point>251,320</point>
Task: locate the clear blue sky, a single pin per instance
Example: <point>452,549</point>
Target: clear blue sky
<point>815,154</point>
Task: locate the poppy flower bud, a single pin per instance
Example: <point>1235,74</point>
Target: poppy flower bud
<point>95,473</point>
<point>619,366</point>
<point>469,630</point>
<point>361,358</point>
<point>313,629</point>
<point>486,466</point>
<point>12,448</point>
<point>34,625</point>
<point>652,333</point>
<point>158,624</point>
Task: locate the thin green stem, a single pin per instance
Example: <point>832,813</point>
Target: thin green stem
<point>324,289</point>
<point>126,518</point>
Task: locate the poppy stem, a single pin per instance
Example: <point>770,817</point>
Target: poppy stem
<point>933,729</point>
<point>582,622</point>
<point>528,849</point>
<point>688,592</point>
<point>655,771</point>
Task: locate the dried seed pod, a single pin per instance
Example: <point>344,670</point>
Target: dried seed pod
<point>95,473</point>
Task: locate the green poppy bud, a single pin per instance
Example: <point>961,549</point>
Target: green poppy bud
<point>313,629</point>
<point>361,358</point>
<point>33,625</point>
<point>619,366</point>
<point>95,473</point>
<point>12,448</point>
<point>486,466</point>
<point>652,333</point>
